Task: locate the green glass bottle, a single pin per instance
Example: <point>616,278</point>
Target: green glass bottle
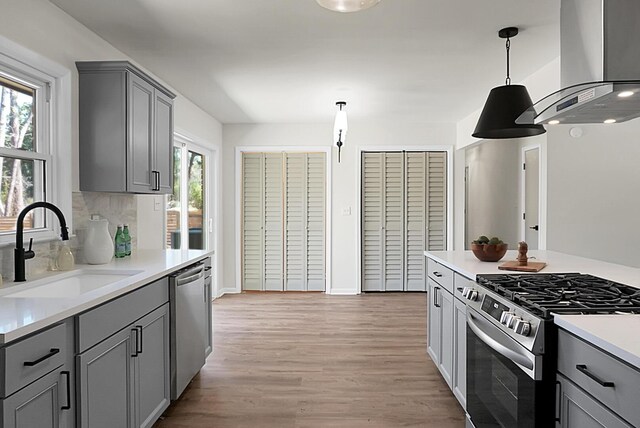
<point>120,244</point>
<point>127,240</point>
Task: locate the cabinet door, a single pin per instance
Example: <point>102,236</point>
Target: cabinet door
<point>152,367</point>
<point>460,352</point>
<point>105,379</point>
<point>163,133</point>
<point>580,410</point>
<point>140,102</point>
<point>434,317</point>
<point>41,404</point>
<point>445,300</point>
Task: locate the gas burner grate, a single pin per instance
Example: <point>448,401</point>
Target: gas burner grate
<point>564,293</point>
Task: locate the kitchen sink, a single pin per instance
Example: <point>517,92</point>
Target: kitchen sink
<point>72,284</point>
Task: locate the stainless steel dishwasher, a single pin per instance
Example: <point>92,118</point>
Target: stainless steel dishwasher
<point>189,331</point>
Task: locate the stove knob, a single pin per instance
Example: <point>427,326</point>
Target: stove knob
<point>465,292</point>
<point>523,327</point>
<point>513,321</point>
<point>473,295</point>
<point>505,317</point>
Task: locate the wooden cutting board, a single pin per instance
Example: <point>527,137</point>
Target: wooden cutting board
<point>530,267</point>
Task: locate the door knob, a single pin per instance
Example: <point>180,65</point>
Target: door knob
<point>534,227</point>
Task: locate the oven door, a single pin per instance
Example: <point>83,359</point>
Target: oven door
<point>503,378</point>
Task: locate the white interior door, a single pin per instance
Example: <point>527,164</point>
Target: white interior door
<point>283,221</point>
<point>531,220</point>
<point>403,214</point>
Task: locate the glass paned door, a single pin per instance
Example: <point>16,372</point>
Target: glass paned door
<point>188,218</point>
<point>195,172</point>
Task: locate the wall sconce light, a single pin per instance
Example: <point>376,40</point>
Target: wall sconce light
<point>340,126</point>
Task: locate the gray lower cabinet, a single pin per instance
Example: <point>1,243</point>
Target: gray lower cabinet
<point>460,352</point>
<point>124,380</point>
<point>36,386</point>
<point>105,382</point>
<point>577,409</point>
<point>440,329</point>
<point>42,404</point>
<point>126,129</point>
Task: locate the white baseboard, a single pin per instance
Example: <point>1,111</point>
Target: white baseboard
<point>344,292</point>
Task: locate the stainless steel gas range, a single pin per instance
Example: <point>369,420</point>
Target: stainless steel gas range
<point>511,341</point>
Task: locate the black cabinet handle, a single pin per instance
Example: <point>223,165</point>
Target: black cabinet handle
<point>136,331</point>
<point>435,297</point>
<point>583,369</point>
<point>139,328</point>
<point>67,374</point>
<point>52,352</point>
<point>559,408</point>
<point>437,274</point>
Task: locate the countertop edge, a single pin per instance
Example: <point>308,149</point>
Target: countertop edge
<point>622,354</point>
<point>453,267</point>
<point>20,332</point>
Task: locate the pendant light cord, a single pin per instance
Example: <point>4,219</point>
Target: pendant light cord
<point>508,79</point>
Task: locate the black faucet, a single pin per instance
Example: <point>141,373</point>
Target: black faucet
<point>20,255</point>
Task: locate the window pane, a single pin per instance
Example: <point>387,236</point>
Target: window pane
<point>17,115</point>
<point>173,203</point>
<point>195,164</point>
<point>21,183</point>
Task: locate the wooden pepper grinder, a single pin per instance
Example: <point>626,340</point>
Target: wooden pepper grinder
<point>522,253</point>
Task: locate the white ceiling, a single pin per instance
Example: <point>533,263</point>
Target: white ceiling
<point>288,61</point>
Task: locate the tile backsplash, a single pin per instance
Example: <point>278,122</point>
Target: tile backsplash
<point>115,207</point>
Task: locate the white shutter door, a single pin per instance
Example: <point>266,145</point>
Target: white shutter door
<point>295,221</point>
<point>252,221</point>
<point>315,221</point>
<point>273,215</point>
<point>436,201</point>
<point>393,214</point>
<point>415,244</point>
<point>372,206</point>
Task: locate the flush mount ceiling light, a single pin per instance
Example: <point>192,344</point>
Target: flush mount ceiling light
<point>347,5</point>
<point>504,105</point>
<point>340,126</point>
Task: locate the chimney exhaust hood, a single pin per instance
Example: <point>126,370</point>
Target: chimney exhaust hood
<point>600,65</point>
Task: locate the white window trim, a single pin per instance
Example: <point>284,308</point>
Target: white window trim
<point>59,169</point>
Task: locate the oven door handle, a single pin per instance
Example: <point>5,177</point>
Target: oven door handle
<point>522,360</point>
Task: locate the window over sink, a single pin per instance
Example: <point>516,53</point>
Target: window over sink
<point>35,143</point>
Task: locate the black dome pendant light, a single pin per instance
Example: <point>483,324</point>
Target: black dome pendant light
<point>504,105</point>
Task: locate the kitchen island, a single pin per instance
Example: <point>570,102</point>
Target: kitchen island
<point>598,352</point>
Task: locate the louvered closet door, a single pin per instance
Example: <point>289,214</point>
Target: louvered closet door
<point>253,218</point>
<point>416,208</point>
<point>393,214</point>
<point>304,220</point>
<point>372,207</point>
<point>403,214</point>
<point>437,201</point>
<point>273,215</point>
<point>316,191</point>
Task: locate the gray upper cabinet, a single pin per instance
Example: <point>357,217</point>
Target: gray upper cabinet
<point>126,129</point>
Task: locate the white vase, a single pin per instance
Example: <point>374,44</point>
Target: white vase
<point>98,245</point>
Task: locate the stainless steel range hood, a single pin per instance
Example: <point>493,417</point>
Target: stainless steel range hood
<point>600,65</point>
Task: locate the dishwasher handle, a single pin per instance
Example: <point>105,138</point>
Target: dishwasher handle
<point>190,275</point>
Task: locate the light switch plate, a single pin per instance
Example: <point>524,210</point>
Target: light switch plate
<point>346,211</point>
<point>157,203</point>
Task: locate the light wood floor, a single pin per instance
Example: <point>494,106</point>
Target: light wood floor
<point>313,360</point>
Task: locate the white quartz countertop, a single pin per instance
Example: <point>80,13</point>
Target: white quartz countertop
<point>466,264</point>
<point>617,334</point>
<point>20,316</point>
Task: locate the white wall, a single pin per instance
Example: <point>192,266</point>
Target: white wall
<point>594,192</point>
<point>344,181</point>
<point>46,30</point>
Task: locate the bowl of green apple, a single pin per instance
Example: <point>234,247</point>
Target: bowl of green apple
<point>489,250</point>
